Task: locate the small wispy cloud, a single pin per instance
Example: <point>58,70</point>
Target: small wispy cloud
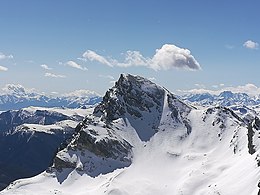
<point>3,56</point>
<point>93,56</point>
<point>215,86</point>
<point>29,61</point>
<point>229,46</point>
<point>199,85</point>
<point>113,82</point>
<point>251,44</point>
<point>46,67</point>
<point>167,57</point>
<point>2,68</point>
<point>134,58</point>
<point>107,77</point>
<point>48,74</point>
<point>75,65</point>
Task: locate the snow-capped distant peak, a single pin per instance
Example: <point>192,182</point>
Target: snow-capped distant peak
<point>15,89</point>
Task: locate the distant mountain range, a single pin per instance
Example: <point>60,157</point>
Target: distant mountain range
<point>17,97</point>
<point>225,98</point>
<point>247,107</point>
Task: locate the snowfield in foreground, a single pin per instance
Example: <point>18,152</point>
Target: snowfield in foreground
<point>142,140</point>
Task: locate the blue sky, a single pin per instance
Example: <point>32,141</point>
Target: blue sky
<point>42,43</point>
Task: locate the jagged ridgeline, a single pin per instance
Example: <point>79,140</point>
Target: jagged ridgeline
<point>142,139</point>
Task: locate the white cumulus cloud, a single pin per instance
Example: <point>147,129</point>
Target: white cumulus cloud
<point>47,74</point>
<point>2,68</point>
<point>46,67</point>
<point>251,44</point>
<point>171,56</point>
<point>75,65</point>
<point>3,56</point>
<point>167,57</point>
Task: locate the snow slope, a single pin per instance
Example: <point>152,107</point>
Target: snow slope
<point>179,149</point>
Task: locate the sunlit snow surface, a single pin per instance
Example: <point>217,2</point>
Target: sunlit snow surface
<point>202,163</point>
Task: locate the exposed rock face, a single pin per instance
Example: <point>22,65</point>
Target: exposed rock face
<point>93,151</point>
<point>107,148</point>
<point>253,137</point>
<point>256,123</point>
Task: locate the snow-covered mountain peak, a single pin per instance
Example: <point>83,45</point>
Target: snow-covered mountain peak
<point>14,89</point>
<point>131,113</point>
<point>142,103</point>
